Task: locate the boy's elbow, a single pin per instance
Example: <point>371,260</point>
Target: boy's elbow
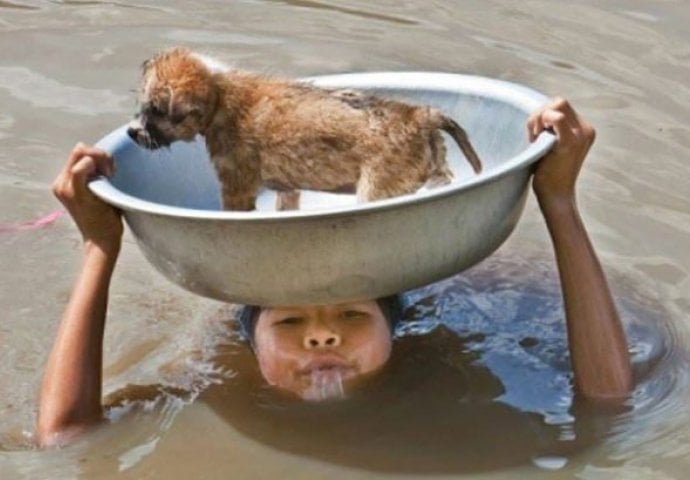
<point>52,433</point>
<point>614,392</point>
<point>55,436</point>
<point>606,398</point>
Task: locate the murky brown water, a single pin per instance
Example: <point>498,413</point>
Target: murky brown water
<point>66,73</point>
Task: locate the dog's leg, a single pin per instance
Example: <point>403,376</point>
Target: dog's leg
<point>288,200</point>
<point>239,183</point>
<point>440,173</point>
<point>376,182</point>
<point>232,201</point>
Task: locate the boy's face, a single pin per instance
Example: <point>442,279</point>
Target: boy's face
<point>317,352</point>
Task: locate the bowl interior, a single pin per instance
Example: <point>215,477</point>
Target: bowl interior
<point>182,175</point>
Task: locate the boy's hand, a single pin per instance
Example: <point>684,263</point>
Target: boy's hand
<point>99,223</point>
<point>556,173</point>
<point>596,337</point>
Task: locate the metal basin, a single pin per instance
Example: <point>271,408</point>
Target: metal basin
<point>333,249</point>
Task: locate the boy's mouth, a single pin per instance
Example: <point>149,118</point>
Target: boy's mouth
<point>328,365</point>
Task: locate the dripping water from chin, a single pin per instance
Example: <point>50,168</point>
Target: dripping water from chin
<point>325,385</point>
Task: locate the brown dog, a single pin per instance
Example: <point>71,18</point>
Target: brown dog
<point>291,136</point>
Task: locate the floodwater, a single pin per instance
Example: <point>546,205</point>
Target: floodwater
<point>67,70</point>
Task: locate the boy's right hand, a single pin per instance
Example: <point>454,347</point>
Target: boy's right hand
<point>99,223</point>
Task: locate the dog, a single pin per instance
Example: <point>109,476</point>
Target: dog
<point>289,135</point>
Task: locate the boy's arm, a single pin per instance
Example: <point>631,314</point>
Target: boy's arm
<point>70,398</point>
<point>598,348</point>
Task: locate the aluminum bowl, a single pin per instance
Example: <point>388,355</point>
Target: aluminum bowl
<point>333,249</point>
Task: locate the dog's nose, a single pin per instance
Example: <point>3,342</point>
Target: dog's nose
<point>133,133</point>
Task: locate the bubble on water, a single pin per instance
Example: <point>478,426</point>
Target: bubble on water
<point>550,462</point>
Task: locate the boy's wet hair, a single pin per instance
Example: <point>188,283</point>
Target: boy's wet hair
<point>391,307</point>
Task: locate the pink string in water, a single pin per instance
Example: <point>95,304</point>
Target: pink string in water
<point>32,224</point>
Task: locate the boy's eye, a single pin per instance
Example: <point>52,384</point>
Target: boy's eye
<point>352,314</point>
<point>289,321</point>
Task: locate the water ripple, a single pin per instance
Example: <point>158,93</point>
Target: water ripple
<point>17,6</point>
<point>44,92</point>
<point>348,11</point>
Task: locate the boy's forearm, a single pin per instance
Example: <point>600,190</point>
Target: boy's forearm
<point>598,347</point>
<point>71,392</point>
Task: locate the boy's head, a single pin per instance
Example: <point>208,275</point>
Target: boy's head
<point>316,352</point>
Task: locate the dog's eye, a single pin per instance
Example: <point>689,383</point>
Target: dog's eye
<point>178,117</point>
<point>154,110</point>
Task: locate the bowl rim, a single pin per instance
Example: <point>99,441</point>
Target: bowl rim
<point>519,96</point>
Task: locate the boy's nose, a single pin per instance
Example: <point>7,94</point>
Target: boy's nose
<point>321,338</point>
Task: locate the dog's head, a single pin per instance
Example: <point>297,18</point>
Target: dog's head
<point>177,99</point>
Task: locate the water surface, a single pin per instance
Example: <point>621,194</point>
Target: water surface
<point>67,70</point>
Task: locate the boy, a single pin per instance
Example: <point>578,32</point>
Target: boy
<point>320,351</point>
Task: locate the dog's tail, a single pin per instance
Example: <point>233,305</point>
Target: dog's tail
<point>458,133</point>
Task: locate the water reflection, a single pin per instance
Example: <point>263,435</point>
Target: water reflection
<point>479,380</point>
<point>434,409</point>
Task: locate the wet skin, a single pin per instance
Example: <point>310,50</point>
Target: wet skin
<point>318,352</point>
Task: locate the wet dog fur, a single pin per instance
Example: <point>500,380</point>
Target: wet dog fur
<point>290,135</point>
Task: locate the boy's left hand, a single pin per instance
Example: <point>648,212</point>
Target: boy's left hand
<point>557,172</point>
